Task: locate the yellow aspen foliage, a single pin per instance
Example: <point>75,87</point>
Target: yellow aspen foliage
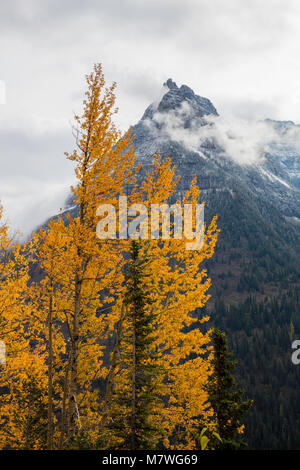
<point>82,276</point>
<point>103,165</point>
<point>58,258</point>
<point>23,376</point>
<point>178,287</point>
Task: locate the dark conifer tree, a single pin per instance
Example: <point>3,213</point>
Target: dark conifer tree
<point>133,426</point>
<point>224,396</point>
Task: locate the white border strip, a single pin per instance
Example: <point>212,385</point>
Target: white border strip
<point>2,92</point>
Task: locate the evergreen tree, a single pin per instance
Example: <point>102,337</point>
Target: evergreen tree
<point>144,367</point>
<point>224,396</point>
<point>136,400</point>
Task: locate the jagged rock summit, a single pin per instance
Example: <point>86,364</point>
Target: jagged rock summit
<point>173,99</point>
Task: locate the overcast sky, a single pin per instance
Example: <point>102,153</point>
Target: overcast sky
<point>244,55</point>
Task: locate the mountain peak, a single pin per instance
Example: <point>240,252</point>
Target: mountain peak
<point>173,99</point>
<point>170,84</point>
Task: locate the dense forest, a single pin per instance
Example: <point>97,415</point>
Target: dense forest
<point>256,283</point>
<point>261,334</point>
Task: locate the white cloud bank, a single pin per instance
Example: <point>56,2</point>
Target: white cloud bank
<point>244,55</point>
<point>244,141</point>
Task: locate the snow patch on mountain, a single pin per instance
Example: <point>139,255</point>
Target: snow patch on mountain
<point>273,177</point>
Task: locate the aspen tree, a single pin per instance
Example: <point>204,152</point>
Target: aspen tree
<point>103,165</point>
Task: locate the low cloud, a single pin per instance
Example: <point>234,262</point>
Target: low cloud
<point>244,141</point>
<point>35,176</point>
<point>26,210</point>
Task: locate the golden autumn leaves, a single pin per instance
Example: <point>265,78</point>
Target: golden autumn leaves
<point>61,330</point>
